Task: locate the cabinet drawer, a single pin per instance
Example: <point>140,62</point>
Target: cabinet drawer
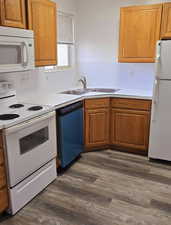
<point>125,103</point>
<point>1,157</point>
<point>3,199</point>
<point>97,103</point>
<point>2,177</point>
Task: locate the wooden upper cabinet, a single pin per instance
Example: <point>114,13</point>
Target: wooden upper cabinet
<point>13,13</point>
<point>166,21</point>
<point>139,32</point>
<point>42,20</point>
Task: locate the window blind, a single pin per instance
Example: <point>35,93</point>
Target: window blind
<point>65,28</point>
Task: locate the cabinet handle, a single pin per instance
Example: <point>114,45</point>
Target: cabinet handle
<point>123,51</point>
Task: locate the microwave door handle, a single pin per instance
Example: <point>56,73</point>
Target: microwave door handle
<point>25,54</point>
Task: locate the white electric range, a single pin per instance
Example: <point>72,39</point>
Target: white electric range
<point>31,149</point>
<point>13,112</point>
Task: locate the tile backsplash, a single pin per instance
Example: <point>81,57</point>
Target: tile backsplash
<point>113,75</point>
<point>40,81</point>
<point>119,75</point>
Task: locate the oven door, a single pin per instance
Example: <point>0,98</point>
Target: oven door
<point>30,145</point>
<point>17,54</point>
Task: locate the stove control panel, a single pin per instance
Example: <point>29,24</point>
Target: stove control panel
<point>6,89</point>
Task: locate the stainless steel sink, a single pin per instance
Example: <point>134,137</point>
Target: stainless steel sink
<point>104,90</point>
<point>75,92</point>
<point>84,91</point>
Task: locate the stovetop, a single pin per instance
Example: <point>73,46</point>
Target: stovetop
<point>13,112</point>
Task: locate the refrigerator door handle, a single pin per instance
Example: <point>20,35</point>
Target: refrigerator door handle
<point>155,100</point>
<point>158,59</point>
<point>158,52</point>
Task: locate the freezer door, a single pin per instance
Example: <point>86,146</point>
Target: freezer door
<point>163,57</point>
<point>160,132</point>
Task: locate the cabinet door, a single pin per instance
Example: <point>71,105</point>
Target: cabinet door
<point>130,128</point>
<point>3,188</point>
<point>139,31</point>
<point>3,199</point>
<point>96,127</point>
<point>13,13</point>
<point>166,21</point>
<point>42,20</point>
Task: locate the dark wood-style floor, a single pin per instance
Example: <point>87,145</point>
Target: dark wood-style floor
<point>104,188</point>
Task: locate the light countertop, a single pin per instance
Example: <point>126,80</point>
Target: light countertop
<point>58,100</point>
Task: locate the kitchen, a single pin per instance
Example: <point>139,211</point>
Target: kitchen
<point>89,116</point>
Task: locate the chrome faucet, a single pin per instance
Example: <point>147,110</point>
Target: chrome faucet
<point>83,80</point>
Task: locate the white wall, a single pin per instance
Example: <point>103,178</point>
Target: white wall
<point>38,80</point>
<point>97,26</point>
<point>97,39</point>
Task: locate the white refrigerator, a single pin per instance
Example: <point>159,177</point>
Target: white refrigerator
<point>160,130</point>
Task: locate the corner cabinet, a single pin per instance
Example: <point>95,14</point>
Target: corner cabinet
<point>130,123</point>
<point>117,123</point>
<point>3,184</point>
<point>42,20</point>
<point>96,123</point>
<point>13,13</point>
<point>166,21</point>
<point>139,32</point>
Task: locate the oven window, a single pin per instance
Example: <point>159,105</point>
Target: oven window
<point>10,54</point>
<point>33,140</point>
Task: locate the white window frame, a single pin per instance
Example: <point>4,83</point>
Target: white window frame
<point>71,56</point>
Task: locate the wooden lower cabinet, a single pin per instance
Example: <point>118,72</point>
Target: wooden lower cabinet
<point>96,123</point>
<point>3,199</point>
<point>3,184</point>
<point>130,128</point>
<point>97,127</point>
<point>119,123</point>
<point>130,124</point>
<point>2,176</point>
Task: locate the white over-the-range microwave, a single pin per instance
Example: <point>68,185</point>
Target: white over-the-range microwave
<point>16,50</point>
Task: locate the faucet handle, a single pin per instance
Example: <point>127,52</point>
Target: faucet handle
<point>83,78</point>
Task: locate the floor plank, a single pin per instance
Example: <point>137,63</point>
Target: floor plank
<point>103,188</point>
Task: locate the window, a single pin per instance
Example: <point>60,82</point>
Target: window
<point>63,55</point>
<point>65,39</point>
<point>65,44</point>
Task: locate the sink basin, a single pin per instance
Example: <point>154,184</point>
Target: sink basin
<point>105,90</point>
<point>84,91</point>
<point>75,92</point>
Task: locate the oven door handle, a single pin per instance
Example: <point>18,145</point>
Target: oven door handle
<point>29,123</point>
